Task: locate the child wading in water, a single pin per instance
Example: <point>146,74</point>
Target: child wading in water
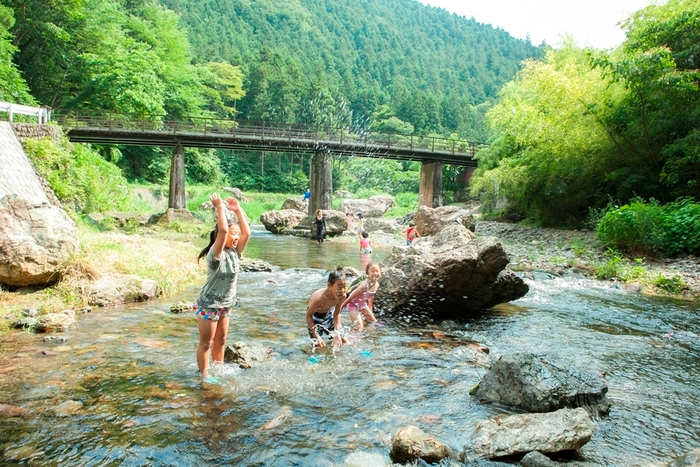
<point>359,303</point>
<point>365,244</point>
<point>323,313</point>
<point>215,301</point>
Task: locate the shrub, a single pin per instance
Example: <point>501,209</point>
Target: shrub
<point>633,228</point>
<point>78,175</point>
<point>681,227</point>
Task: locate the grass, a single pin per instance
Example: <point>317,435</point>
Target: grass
<point>163,255</point>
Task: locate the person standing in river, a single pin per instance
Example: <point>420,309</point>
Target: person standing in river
<point>218,295</point>
<point>320,223</point>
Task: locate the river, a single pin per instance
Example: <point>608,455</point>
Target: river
<point>123,389</point>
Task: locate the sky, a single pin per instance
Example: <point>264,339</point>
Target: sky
<point>591,22</point>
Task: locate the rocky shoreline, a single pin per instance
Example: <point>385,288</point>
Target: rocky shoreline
<point>562,252</point>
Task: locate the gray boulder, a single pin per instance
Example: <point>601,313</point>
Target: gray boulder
<point>430,221</point>
<point>541,383</point>
<point>36,240</point>
<point>281,221</point>
<point>376,224</point>
<point>448,275</point>
<point>563,430</point>
<point>236,193</point>
<point>294,203</point>
<point>336,223</point>
<point>374,206</point>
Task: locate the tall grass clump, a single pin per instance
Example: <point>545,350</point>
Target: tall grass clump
<point>649,228</point>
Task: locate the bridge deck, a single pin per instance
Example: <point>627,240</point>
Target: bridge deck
<point>263,136</point>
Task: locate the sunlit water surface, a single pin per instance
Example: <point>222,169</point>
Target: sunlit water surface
<point>133,372</point>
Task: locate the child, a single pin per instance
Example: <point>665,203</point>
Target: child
<point>216,299</point>
<point>320,223</point>
<point>323,314</point>
<point>360,223</point>
<point>411,233</point>
<point>359,303</point>
<point>365,244</point>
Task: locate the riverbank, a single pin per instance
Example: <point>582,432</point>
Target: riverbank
<point>564,252</point>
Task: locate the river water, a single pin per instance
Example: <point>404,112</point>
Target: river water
<point>123,389</point>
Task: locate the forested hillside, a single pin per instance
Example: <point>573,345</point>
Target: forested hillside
<point>389,65</point>
<point>315,61</point>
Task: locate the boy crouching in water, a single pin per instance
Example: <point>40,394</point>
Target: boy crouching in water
<point>323,313</point>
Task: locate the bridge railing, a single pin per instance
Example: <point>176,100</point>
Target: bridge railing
<point>259,130</point>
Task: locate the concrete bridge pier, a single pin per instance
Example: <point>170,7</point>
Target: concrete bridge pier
<point>430,190</point>
<point>176,197</point>
<point>320,185</point>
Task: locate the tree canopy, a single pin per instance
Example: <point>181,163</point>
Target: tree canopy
<point>583,127</point>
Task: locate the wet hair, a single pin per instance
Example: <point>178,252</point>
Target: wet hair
<point>212,239</point>
<point>411,224</point>
<point>370,264</point>
<point>364,234</point>
<point>338,274</point>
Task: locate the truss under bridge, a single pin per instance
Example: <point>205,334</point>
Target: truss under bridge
<point>262,136</point>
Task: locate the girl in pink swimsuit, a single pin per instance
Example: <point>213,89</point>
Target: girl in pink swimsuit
<point>359,303</point>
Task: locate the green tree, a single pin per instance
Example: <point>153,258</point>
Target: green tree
<point>550,155</point>
<point>13,88</point>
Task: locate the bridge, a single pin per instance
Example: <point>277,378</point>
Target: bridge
<point>200,132</point>
<point>322,142</point>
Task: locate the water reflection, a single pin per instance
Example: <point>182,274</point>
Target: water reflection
<point>123,390</point>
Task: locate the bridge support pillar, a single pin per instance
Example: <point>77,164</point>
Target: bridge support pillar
<point>320,185</point>
<point>430,190</point>
<point>176,198</point>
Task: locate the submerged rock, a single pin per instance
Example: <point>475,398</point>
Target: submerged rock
<point>243,354</point>
<point>541,383</point>
<point>413,443</point>
<point>563,430</point>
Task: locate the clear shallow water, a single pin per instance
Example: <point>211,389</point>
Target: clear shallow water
<point>133,373</point>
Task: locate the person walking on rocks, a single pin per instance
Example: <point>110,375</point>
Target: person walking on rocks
<point>320,223</point>
<point>411,233</point>
<point>218,295</point>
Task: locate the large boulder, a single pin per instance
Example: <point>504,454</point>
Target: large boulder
<point>429,221</point>
<point>377,224</point>
<point>336,223</point>
<point>36,240</point>
<point>563,430</point>
<point>236,193</point>
<point>374,206</point>
<point>542,383</point>
<point>296,204</point>
<point>448,275</point>
<point>281,221</point>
